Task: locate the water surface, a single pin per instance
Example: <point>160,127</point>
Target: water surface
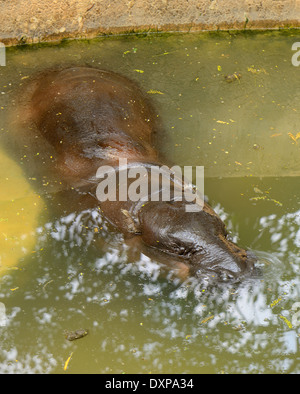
<point>76,272</point>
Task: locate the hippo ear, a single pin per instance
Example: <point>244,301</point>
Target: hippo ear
<point>130,224</point>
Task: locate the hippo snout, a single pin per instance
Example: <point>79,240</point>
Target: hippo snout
<point>199,240</point>
<point>224,264</point>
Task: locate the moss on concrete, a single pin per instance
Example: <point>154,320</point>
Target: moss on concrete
<point>45,20</point>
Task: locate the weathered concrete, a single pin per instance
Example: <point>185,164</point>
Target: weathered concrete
<point>23,21</point>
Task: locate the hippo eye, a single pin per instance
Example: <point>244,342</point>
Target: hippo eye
<point>181,251</point>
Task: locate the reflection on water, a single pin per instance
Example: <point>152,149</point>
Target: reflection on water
<point>140,316</point>
<point>145,321</point>
<point>20,208</point>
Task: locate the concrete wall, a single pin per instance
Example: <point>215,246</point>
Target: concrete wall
<point>47,20</point>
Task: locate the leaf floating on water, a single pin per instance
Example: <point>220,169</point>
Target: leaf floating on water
<point>139,71</point>
<point>134,50</point>
<point>294,137</point>
<point>274,303</point>
<point>154,92</point>
<point>207,319</point>
<point>164,54</point>
<point>276,135</point>
<point>288,323</point>
<point>222,122</point>
<point>47,283</point>
<point>266,199</point>
<point>257,70</point>
<point>67,362</point>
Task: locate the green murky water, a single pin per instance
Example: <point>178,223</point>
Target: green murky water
<point>140,320</point>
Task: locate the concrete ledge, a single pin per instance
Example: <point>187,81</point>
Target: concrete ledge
<point>34,21</point>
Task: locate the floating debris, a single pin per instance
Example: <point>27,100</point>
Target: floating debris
<point>257,70</point>
<point>288,323</point>
<point>266,198</point>
<point>77,334</point>
<point>233,77</point>
<point>67,362</point>
<point>207,319</point>
<point>274,303</point>
<point>151,91</point>
<point>294,137</point>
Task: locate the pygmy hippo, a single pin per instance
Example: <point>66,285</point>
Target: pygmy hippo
<point>93,118</point>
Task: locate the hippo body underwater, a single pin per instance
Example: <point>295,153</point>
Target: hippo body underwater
<point>91,118</point>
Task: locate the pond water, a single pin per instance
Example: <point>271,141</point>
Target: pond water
<point>70,270</point>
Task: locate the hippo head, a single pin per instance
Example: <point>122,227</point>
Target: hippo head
<point>198,239</point>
